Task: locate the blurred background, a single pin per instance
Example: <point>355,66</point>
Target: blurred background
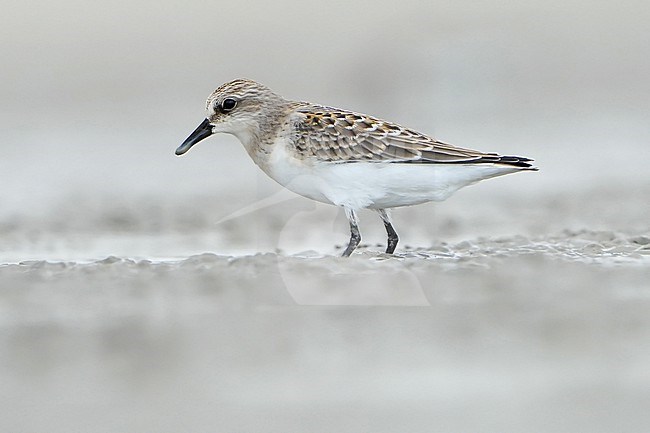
<point>523,308</point>
<point>97,97</point>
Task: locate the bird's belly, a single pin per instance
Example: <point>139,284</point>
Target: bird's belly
<point>359,185</point>
<point>385,185</point>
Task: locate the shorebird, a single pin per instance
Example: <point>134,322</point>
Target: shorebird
<point>344,158</point>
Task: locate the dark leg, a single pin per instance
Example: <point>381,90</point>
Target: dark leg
<point>355,236</point>
<point>392,234</point>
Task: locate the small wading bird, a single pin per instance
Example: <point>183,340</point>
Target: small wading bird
<point>343,158</point>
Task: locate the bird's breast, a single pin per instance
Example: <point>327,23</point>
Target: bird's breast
<point>295,173</point>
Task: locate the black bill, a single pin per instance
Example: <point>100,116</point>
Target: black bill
<point>204,130</point>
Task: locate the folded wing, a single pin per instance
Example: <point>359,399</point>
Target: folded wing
<point>334,135</point>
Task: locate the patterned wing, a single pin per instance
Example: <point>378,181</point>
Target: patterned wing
<point>334,135</point>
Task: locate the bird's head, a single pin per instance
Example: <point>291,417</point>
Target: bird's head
<point>240,107</point>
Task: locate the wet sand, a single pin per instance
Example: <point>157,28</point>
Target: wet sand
<point>530,331</point>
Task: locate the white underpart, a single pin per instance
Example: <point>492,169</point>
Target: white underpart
<point>374,185</point>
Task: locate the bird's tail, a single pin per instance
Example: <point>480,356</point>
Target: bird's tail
<point>515,161</point>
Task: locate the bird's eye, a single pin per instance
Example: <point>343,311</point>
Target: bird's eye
<point>228,104</point>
